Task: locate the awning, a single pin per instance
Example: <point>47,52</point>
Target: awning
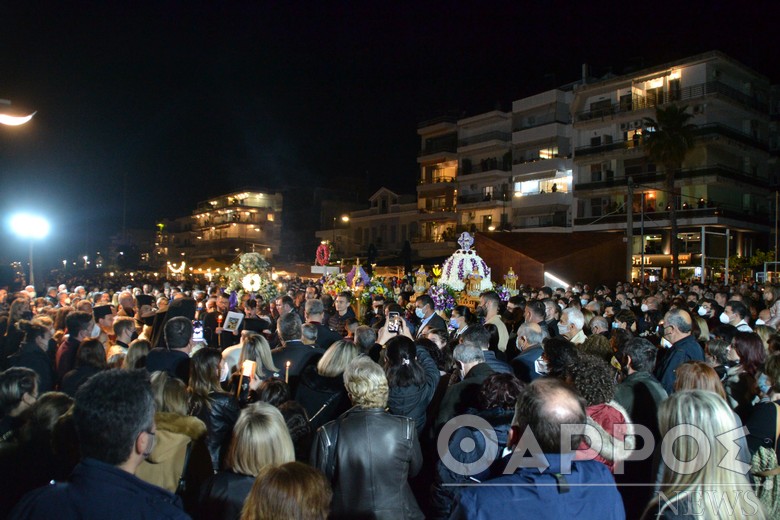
<point>535,176</point>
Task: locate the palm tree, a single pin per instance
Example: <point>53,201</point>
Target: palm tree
<point>668,139</point>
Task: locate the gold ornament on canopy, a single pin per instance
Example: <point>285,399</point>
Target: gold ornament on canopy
<point>510,282</point>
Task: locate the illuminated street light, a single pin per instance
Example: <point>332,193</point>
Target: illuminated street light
<point>30,227</point>
<point>85,261</point>
<point>7,120</point>
<point>344,218</point>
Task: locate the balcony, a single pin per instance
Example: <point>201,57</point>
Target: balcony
<point>443,147</point>
<point>541,199</point>
<point>487,165</point>
<point>484,138</point>
<point>684,94</point>
<point>440,213</point>
<point>540,133</point>
<point>437,180</point>
<point>723,174</point>
<point>699,132</point>
<point>447,118</point>
<point>682,214</point>
<point>480,200</point>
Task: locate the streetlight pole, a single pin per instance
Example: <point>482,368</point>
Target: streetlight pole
<point>344,218</point>
<point>30,227</point>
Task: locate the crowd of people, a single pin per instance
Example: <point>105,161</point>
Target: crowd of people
<point>143,402</point>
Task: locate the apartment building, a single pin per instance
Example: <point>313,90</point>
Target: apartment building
<point>725,205</point>
<point>223,228</point>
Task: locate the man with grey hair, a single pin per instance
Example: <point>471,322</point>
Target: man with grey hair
<point>463,395</point>
<point>365,340</point>
<point>682,346</point>
<point>529,342</point>
<point>293,357</point>
<point>478,336</point>
<point>552,484</point>
<point>571,324</point>
<point>114,420</point>
<point>314,313</point>
<point>599,325</point>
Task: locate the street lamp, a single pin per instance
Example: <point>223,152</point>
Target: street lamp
<point>30,227</point>
<point>85,261</point>
<point>345,219</point>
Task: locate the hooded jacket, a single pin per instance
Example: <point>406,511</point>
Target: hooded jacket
<point>611,421</point>
<point>165,464</point>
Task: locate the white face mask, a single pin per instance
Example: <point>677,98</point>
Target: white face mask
<point>562,329</point>
<point>702,311</point>
<point>759,321</point>
<point>541,367</point>
<point>665,343</point>
<point>724,318</point>
<point>644,307</point>
<point>95,331</point>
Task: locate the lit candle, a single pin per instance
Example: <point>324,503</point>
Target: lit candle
<point>219,320</point>
<point>248,368</point>
<point>287,372</point>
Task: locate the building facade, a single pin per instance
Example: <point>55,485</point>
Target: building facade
<point>725,205</point>
<point>222,228</point>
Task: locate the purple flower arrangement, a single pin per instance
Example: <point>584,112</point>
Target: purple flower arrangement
<point>443,298</point>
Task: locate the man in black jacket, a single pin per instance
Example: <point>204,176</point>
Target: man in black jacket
<point>293,356</point>
<point>315,312</point>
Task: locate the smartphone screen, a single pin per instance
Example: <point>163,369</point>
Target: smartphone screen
<point>394,319</point>
<point>197,330</point>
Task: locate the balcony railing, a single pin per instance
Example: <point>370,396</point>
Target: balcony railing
<point>669,96</point>
<point>437,180</point>
<point>650,177</point>
<point>448,118</point>
<point>449,146</point>
<point>479,197</point>
<point>701,131</point>
<point>540,121</point>
<point>488,136</point>
<point>690,213</point>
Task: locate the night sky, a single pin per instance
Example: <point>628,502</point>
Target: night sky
<point>187,100</point>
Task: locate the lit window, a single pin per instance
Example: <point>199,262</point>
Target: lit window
<point>548,153</point>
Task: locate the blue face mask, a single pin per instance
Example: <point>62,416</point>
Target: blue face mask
<point>764,385</point>
<point>615,325</point>
<point>419,313</point>
<point>454,323</point>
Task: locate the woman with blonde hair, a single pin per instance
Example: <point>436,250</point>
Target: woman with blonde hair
<point>255,348</point>
<point>367,482</point>
<point>704,330</point>
<point>321,389</point>
<point>292,490</point>
<point>714,491</point>
<point>260,440</point>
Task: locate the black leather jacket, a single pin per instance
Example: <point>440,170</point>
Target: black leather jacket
<point>368,455</point>
<point>220,419</point>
